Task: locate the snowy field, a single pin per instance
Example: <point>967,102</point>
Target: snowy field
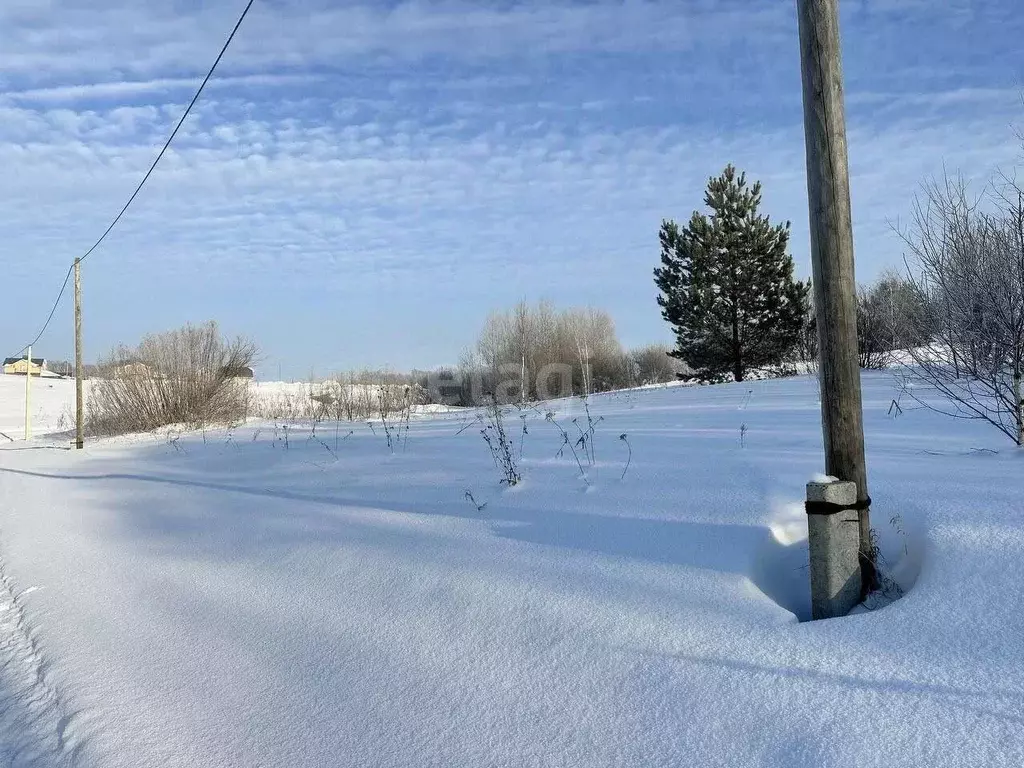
<point>53,403</point>
<point>261,600</point>
<point>52,406</point>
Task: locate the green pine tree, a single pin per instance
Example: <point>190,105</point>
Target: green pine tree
<point>727,284</point>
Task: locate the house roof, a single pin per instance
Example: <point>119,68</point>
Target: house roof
<point>40,361</point>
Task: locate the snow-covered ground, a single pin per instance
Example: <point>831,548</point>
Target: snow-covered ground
<point>52,406</point>
<point>267,598</point>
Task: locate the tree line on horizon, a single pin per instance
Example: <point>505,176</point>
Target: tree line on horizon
<point>726,286</point>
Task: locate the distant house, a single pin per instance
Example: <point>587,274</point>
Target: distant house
<point>239,372</point>
<point>20,366</point>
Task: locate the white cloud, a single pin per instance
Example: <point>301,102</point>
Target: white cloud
<point>149,39</point>
<point>362,196</point>
<point>351,151</point>
<point>134,88</point>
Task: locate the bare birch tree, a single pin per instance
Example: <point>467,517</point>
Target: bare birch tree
<point>519,344</point>
<point>967,255</point>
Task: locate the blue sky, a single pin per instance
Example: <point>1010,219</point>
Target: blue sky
<point>364,182</point>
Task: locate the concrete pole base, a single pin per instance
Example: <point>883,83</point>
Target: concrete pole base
<point>833,537</point>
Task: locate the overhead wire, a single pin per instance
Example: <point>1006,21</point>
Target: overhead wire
<point>145,178</point>
<point>53,310</point>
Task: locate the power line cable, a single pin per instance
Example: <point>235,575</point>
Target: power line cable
<point>53,310</point>
<point>174,132</point>
<point>145,178</point>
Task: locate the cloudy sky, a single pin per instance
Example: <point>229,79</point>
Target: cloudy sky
<point>363,182</point>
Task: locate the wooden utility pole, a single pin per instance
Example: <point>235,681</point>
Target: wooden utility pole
<point>28,394</point>
<point>835,299</point>
<point>79,401</point>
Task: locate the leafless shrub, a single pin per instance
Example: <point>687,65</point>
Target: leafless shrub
<point>807,346</point>
<point>389,429</point>
<point>967,255</point>
<point>501,445</point>
<point>480,506</point>
<point>892,315</point>
<point>353,396</point>
<point>873,349</point>
<point>63,368</point>
<point>567,443</point>
<point>586,439</point>
<point>629,459</point>
<point>652,364</point>
<point>185,377</point>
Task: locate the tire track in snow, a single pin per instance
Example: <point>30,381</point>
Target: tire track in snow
<point>36,729</point>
